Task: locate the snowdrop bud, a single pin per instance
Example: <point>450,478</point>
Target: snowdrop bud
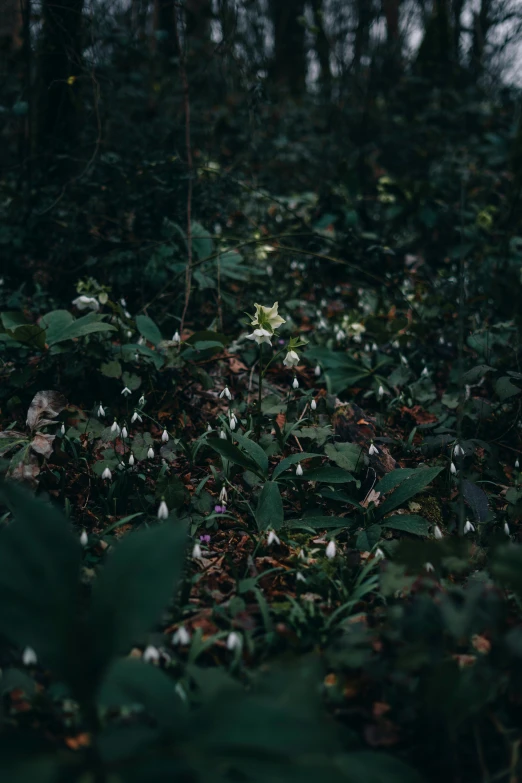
<point>141,401</point>
<point>234,641</point>
<point>458,451</point>
<point>331,549</point>
<point>84,538</point>
<point>223,495</point>
<point>233,421</point>
<point>106,475</point>
<point>223,435</point>
<point>150,453</point>
<point>380,393</point>
<point>299,469</point>
<point>437,532</point>
<point>136,417</point>
<point>313,405</point>
<point>114,427</point>
<point>373,450</point>
<point>124,432</point>
<point>164,436</point>
<point>209,428</point>
<point>517,464</point>
<point>272,538</point>
<point>226,393</point>
<point>301,555</point>
<point>441,340</point>
<point>29,657</point>
<point>151,654</point>
<point>101,411</point>
<point>175,337</point>
<point>379,554</point>
<point>317,371</point>
<point>62,429</point>
<point>181,636</point>
<point>506,529</point>
<point>131,459</point>
<point>424,372</point>
<point>404,360</point>
<point>295,383</point>
<point>468,527</point>
<point>428,567</point>
<point>126,391</point>
<point>375,347</point>
<point>453,469</point>
<point>163,510</point>
<point>196,552</point>
<point>396,344</point>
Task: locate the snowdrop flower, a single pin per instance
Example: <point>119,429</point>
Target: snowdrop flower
<point>373,450</point>
<point>453,469</point>
<point>101,411</point>
<point>437,532</point>
<point>428,567</point>
<point>223,435</point>
<point>331,549</point>
<point>517,464</point>
<point>136,417</point>
<point>380,392</point>
<point>317,371</point>
<point>267,317</point>
<point>396,344</point>
<point>272,538</point>
<point>468,527</point>
<point>131,459</point>
<point>226,393</point>
<point>62,429</point>
<point>379,554</point>
<point>506,529</point>
<point>375,347</point>
<point>181,636</point>
<point>29,657</point>
<point>295,383</point>
<point>106,475</point>
<point>425,373</point>
<point>196,552</point>
<point>260,336</point>
<point>300,577</point>
<point>291,359</point>
<point>223,495</point>
<point>302,555</point>
<point>357,338</point>
<point>151,654</point>
<point>86,303</point>
<point>141,401</point>
<point>234,641</point>
<point>176,337</point>
<point>313,405</point>
<point>163,510</point>
<point>340,335</point>
<point>441,340</point>
<point>299,469</point>
<point>126,391</point>
<point>150,453</point>
<point>115,428</point>
<point>458,451</point>
<point>209,428</point>
<point>164,436</point>
<point>232,423</point>
<point>124,432</point>
<point>84,538</point>
<point>404,360</point>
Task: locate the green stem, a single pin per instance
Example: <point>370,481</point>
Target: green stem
<point>260,391</point>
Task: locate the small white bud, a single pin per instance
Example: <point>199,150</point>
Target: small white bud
<point>124,432</point>
<point>453,469</point>
<point>331,549</point>
<point>375,347</point>
<point>379,554</point>
<point>175,337</point>
<point>317,371</point>
<point>506,529</point>
<point>380,392</point>
<point>115,427</point>
<point>62,429</point>
<point>424,372</point>
<point>373,450</point>
<point>300,577</point>
<point>234,641</point>
<point>29,657</point>
<point>181,636</point>
<point>163,510</point>
<point>272,538</point>
<point>299,469</point>
<point>468,527</point>
<point>226,393</point>
<point>150,453</point>
<point>302,555</point>
<point>396,344</point>
<point>428,567</point>
<point>233,421</point>
<point>313,405</point>
<point>141,401</point>
<point>295,383</point>
<point>223,495</point>
<point>151,654</point>
<point>106,475</point>
<point>196,552</point>
<point>101,411</point>
<point>164,436</point>
<point>404,360</point>
<point>136,417</point>
<point>517,464</point>
<point>84,538</point>
<point>437,532</point>
<point>458,451</point>
<point>223,435</point>
<point>126,391</point>
<point>131,459</point>
<point>209,428</point>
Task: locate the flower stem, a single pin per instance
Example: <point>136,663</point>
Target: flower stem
<point>260,391</point>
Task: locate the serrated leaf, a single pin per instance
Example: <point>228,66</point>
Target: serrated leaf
<point>269,512</point>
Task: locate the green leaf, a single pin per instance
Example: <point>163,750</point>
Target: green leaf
<point>148,329</point>
<point>55,323</point>
<point>318,523</point>
<point>505,388</point>
<point>269,512</point>
<point>133,588</point>
<point>409,523</point>
<point>254,451</point>
<point>29,334</point>
<point>328,474</point>
<point>477,499</point>
<point>172,489</point>
<point>419,479</point>
<point>369,767</point>
<point>293,459</point>
<point>202,244</point>
<point>345,455</point>
<point>393,479</point>
<point>111,369</point>
<point>88,324</point>
<point>232,453</point>
<point>367,539</point>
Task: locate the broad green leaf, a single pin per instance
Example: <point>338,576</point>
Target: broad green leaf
<point>55,323</point>
<point>206,336</point>
<point>232,453</point>
<point>409,523</point>
<point>202,244</point>
<point>293,459</point>
<point>88,324</point>
<point>269,512</point>
<point>328,474</point>
<point>254,451</point>
<point>29,334</point>
<point>172,489</point>
<point>367,539</point>
<point>419,479</point>
<point>318,523</point>
<point>505,388</point>
<point>111,369</point>
<point>346,455</point>
<point>476,499</point>
<point>133,588</point>
<point>393,479</point>
<point>370,767</point>
<point>148,329</point>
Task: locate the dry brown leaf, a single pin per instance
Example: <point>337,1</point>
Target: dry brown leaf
<point>45,403</point>
<point>43,444</point>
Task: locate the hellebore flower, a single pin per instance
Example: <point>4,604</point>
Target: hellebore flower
<point>267,316</point>
<point>291,359</point>
<point>260,336</point>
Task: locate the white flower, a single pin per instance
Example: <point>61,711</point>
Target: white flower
<point>428,567</point>
<point>234,641</point>
<point>131,459</point>
<point>226,393</point>
<point>267,316</point>
<point>62,429</point>
<point>136,417</point>
<point>458,451</point>
<point>317,371</point>
<point>164,436</point>
<point>404,360</point>
<point>29,657</point>
<point>233,422</point>
<point>302,555</point>
<point>181,636</point>
<point>373,450</point>
<point>291,359</point>
<point>260,336</point>
<point>331,549</point>
<point>313,405</point>
<point>150,453</point>
<point>299,469</point>
<point>86,303</point>
<point>425,372</point>
<point>124,432</point>
<point>453,469</point>
<point>272,538</point>
<point>196,552</point>
<point>163,510</point>
<point>84,538</point>
<point>209,428</point>
<point>295,383</point>
<point>106,475</point>
<point>468,527</point>
<point>441,340</point>
<point>379,554</point>
<point>339,335</point>
<point>101,411</point>
<point>506,529</point>
<point>141,401</point>
<point>176,337</point>
<point>437,532</point>
<point>115,428</point>
<point>223,495</point>
<point>517,464</point>
<point>223,435</point>
<point>126,391</point>
<point>299,577</point>
<point>151,654</point>
<point>375,347</point>
<point>380,392</point>
<point>395,344</point>
<point>357,338</point>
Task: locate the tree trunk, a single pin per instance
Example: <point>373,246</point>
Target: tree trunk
<point>481,25</point>
<point>322,46</point>
<point>289,63</point>
<point>390,9</point>
<point>457,8</point>
<point>362,33</point>
<point>164,40</point>
<point>10,25</point>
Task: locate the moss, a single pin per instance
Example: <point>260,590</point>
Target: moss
<point>430,509</point>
